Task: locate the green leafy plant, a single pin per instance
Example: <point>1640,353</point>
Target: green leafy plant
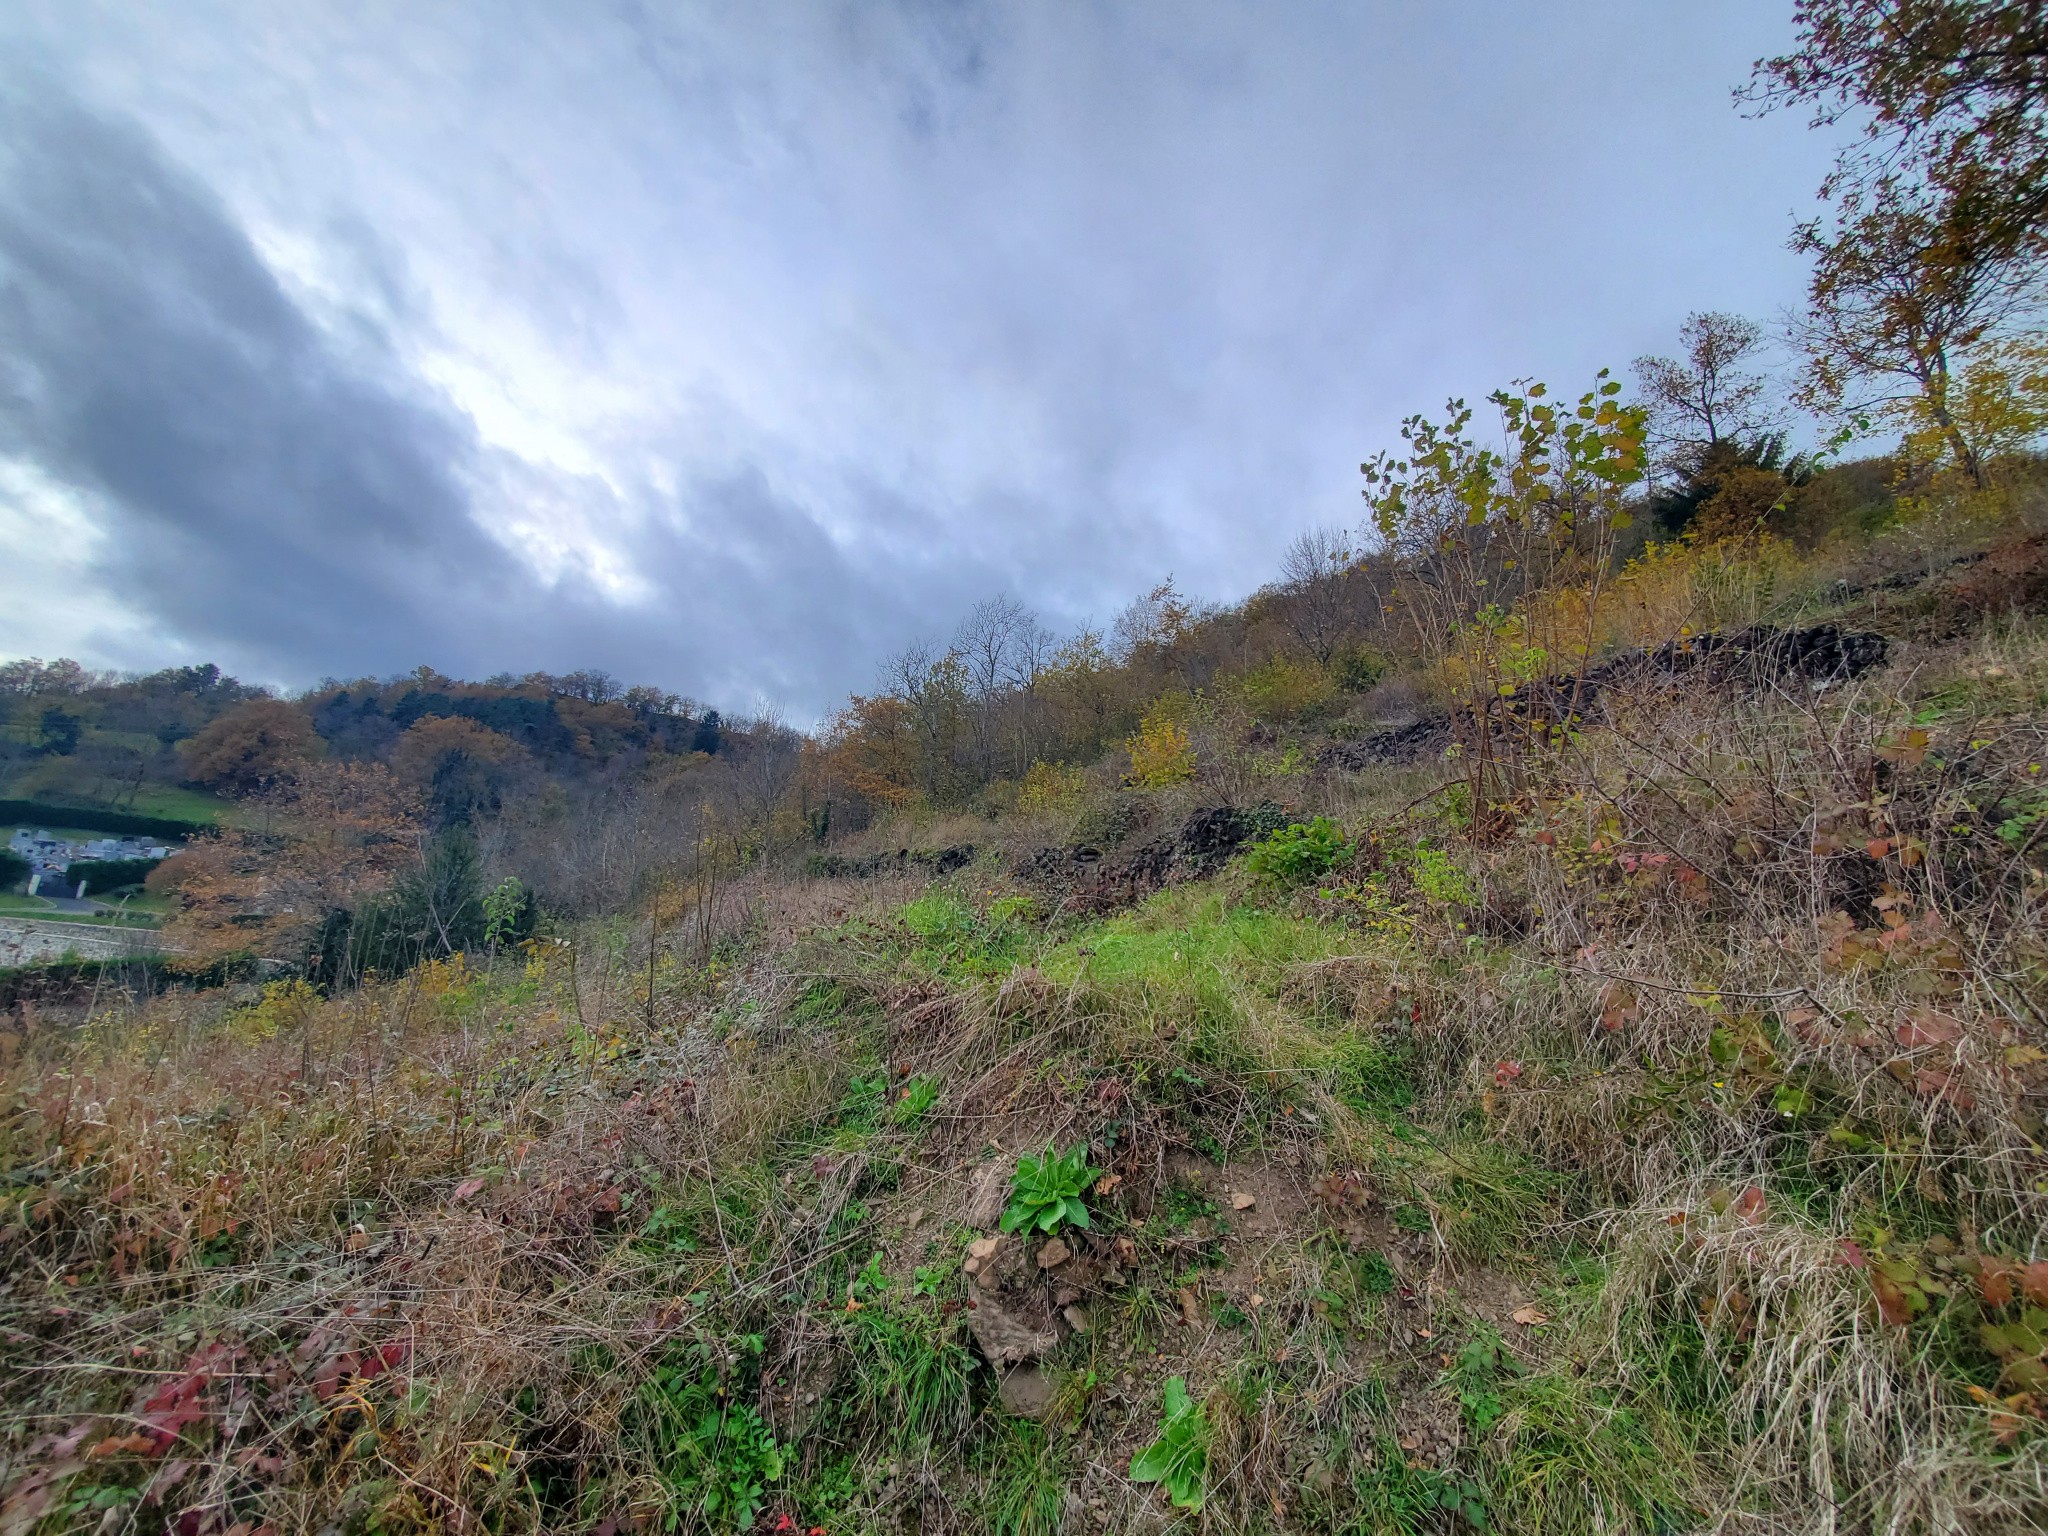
<point>1441,880</point>
<point>914,1101</point>
<point>1179,1458</point>
<point>1476,1374</point>
<point>718,1456</point>
<point>1301,851</point>
<point>1046,1191</point>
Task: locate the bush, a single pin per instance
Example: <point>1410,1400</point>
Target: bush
<point>107,874</point>
<point>1355,668</point>
<point>1302,851</point>
<point>1051,787</point>
<point>13,869</point>
<point>1285,689</point>
<point>1161,751</point>
<point>86,819</point>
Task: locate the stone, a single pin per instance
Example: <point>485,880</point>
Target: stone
<point>1005,1338</point>
<point>1026,1391</point>
<point>984,1248</point>
<point>1077,1318</point>
<point>988,1191</point>
<point>1053,1253</point>
<point>1243,1200</point>
<point>970,1265</point>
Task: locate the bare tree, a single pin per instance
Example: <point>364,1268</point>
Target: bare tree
<point>1312,573</point>
<point>1002,648</point>
<point>1712,395</point>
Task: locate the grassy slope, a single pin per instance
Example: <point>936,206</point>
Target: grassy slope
<point>1596,1178</point>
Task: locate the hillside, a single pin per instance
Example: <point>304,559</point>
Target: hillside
<point>1650,1143</point>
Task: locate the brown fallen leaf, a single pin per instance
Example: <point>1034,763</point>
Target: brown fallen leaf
<point>1190,1314</point>
<point>1529,1317</point>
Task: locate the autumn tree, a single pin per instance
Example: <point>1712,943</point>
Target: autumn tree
<point>1898,301</point>
<point>325,840</point>
<point>1711,394</point>
<point>253,745</point>
<point>1953,100</point>
<point>457,765</point>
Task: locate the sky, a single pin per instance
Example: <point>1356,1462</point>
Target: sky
<point>730,348</point>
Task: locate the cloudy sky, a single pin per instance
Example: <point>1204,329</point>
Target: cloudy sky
<point>732,346</point>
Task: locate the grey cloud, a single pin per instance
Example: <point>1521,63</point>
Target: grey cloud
<point>817,321</point>
<point>271,502</point>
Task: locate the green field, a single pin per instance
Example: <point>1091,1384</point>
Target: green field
<point>143,912</point>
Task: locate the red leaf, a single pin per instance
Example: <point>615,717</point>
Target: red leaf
<point>1935,1083</point>
<point>1893,1305</point>
<point>1505,1072</point>
<point>1997,1284</point>
<point>2034,1282</point>
<point>1926,1028</point>
<point>1850,1252</point>
<point>1749,1206</point>
<point>465,1189</point>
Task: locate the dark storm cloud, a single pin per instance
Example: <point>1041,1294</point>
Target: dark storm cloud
<point>270,499</point>
<point>255,485</point>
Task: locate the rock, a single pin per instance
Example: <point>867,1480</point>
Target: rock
<point>970,1264</point>
<point>1243,1200</point>
<point>1054,1253</point>
<point>1077,1318</point>
<point>984,1248</point>
<point>1005,1338</point>
<point>987,1193</point>
<point>1065,1296</point>
<point>1026,1391</point>
<point>911,1222</point>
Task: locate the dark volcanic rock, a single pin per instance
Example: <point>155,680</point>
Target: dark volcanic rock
<point>1750,659</point>
<point>1083,877</point>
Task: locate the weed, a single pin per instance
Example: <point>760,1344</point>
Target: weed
<point>1179,1458</point>
<point>716,1456</point>
<point>1046,1191</point>
<point>916,1099</point>
<point>1300,852</point>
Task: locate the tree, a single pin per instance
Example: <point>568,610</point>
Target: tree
<point>328,839</point>
<point>1002,648</point>
<point>1730,489</point>
<point>251,746</point>
<point>1312,572</point>
<point>1490,540</point>
<point>60,730</point>
<point>459,766</point>
<point>1712,394</point>
<point>1954,98</point>
<point>1898,297</point>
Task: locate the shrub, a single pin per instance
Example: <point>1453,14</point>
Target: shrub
<point>1046,1191</point>
<point>1285,689</point>
<point>1355,668</point>
<point>1161,751</point>
<point>1301,851</point>
<point>106,874</point>
<point>1050,788</point>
